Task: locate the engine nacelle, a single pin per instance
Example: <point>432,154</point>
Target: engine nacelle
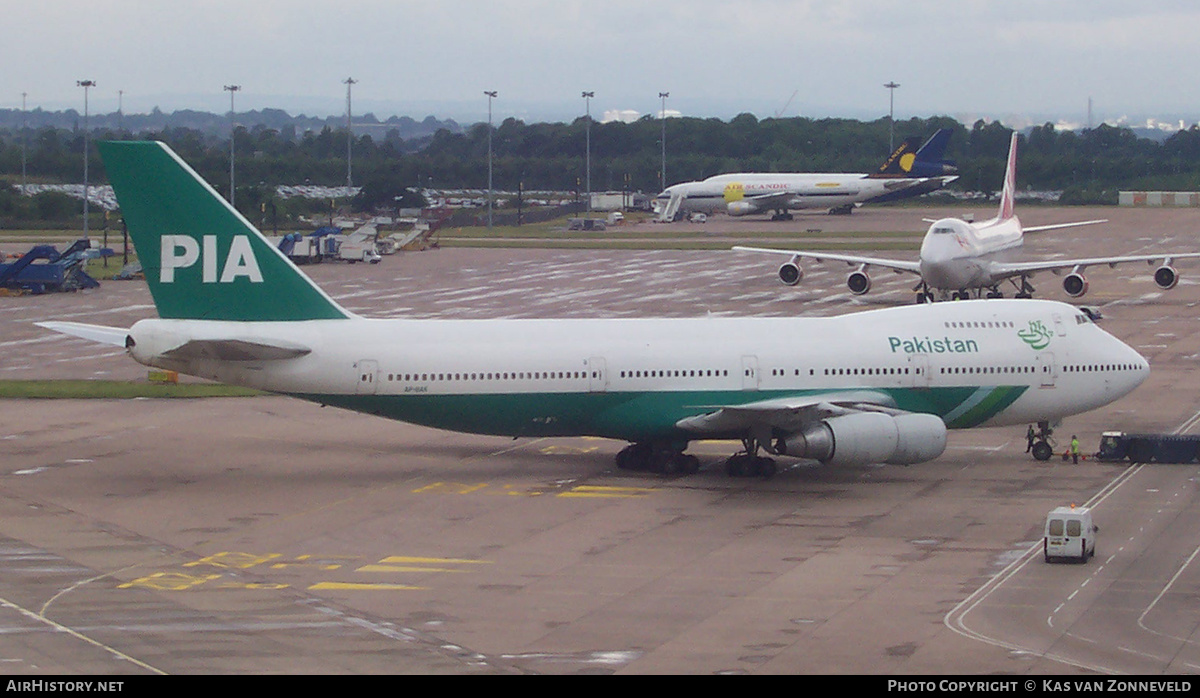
<point>741,208</point>
<point>858,282</point>
<point>869,437</point>
<point>1166,277</point>
<point>1075,284</point>
<point>922,437</point>
<point>790,273</point>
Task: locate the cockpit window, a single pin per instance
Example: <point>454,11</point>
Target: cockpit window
<point>941,230</point>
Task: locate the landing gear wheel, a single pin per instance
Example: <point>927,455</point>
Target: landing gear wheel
<point>735,465</point>
<point>1042,451</point>
<point>659,458</point>
<point>680,464</point>
<point>634,457</point>
<point>746,465</point>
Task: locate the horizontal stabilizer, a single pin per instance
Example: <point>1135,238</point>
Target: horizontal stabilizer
<point>236,350</point>
<point>102,334</point>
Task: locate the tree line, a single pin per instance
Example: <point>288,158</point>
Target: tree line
<point>1088,166</point>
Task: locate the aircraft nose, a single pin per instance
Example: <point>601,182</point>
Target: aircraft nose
<point>1139,367</point>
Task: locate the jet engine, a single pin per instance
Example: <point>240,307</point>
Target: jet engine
<point>741,208</point>
<point>869,437</point>
<point>858,282</point>
<point>1166,277</point>
<point>790,273</point>
<point>1076,284</point>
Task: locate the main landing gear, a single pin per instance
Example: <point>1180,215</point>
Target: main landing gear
<point>925,295</point>
<point>782,216</point>
<point>1025,290</point>
<point>1042,448</point>
<point>664,458</point>
<point>748,463</point>
<point>669,459</point>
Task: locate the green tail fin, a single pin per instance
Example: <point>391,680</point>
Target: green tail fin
<point>203,259</point>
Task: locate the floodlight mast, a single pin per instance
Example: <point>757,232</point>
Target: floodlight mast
<point>86,85</point>
<point>491,94</point>
<point>231,89</point>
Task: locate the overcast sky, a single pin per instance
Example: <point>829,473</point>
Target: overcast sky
<point>963,58</point>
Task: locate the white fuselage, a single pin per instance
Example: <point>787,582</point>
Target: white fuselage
<point>956,254</point>
<point>735,193</point>
<point>973,363</point>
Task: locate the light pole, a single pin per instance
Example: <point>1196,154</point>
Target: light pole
<point>587,100</point>
<point>349,129</point>
<point>491,94</point>
<point>85,84</point>
<point>232,89</point>
<point>663,140</point>
<point>24,137</point>
<point>891,115</point>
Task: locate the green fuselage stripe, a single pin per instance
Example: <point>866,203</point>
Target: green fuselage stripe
<point>633,416</point>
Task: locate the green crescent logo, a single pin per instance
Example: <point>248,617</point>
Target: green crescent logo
<point>1037,335</point>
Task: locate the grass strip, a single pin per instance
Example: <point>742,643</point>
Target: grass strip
<point>109,390</point>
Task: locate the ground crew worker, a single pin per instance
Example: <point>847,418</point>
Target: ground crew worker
<point>1074,449</point>
<point>1030,437</point>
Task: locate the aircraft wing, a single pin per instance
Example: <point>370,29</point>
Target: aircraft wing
<point>788,414</point>
<point>772,200</point>
<point>852,260</point>
<point>1056,226</point>
<point>1010,269</point>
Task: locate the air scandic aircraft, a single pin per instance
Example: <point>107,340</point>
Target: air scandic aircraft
<point>909,171</point>
<point>874,387</point>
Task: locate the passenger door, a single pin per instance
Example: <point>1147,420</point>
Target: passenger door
<point>368,373</point>
<point>1047,369</point>
<point>597,375</point>
<point>749,373</point>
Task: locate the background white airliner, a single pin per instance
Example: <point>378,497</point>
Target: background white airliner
<point>907,172</point>
<point>875,387</point>
<point>959,258</point>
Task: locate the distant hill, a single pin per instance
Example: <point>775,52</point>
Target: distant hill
<point>218,124</point>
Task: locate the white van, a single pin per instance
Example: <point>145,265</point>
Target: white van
<point>1070,534</point>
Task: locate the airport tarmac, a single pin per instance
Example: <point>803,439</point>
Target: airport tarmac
<point>270,535</point>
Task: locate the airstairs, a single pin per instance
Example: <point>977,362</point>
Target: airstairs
<point>668,212</point>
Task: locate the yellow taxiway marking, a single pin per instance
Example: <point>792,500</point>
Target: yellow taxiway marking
<point>169,581</point>
<point>237,561</point>
<point>407,563</point>
<point>403,559</point>
<point>399,568</point>
<point>455,487</point>
<point>599,491</point>
<point>351,586</point>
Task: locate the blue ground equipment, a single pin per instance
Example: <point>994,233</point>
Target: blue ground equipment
<point>44,269</point>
